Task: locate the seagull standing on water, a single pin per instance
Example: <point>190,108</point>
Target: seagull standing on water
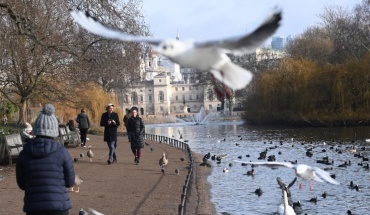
<point>301,170</point>
<point>206,56</point>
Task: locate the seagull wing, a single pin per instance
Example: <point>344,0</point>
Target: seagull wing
<point>248,43</point>
<point>95,212</point>
<point>324,175</point>
<point>270,164</point>
<point>92,25</point>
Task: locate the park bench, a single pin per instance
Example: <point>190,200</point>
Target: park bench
<point>67,137</point>
<point>13,146</point>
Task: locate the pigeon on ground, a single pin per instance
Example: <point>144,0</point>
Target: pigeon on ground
<point>90,154</point>
<point>204,56</point>
<point>177,171</point>
<point>78,182</point>
<point>82,155</point>
<point>83,212</point>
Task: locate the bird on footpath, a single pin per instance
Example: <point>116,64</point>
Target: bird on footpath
<point>75,160</point>
<point>78,182</point>
<point>90,154</point>
<point>177,171</point>
<point>225,170</point>
<point>163,162</point>
<point>206,56</point>
<point>182,159</point>
<point>82,155</point>
<point>95,212</point>
<point>301,170</point>
<point>83,212</point>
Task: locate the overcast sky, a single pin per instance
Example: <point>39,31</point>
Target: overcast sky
<point>216,19</point>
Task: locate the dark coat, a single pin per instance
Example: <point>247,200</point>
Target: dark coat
<point>136,129</point>
<point>110,130</point>
<point>44,171</point>
<point>83,121</point>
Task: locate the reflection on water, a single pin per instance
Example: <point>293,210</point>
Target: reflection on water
<point>233,192</point>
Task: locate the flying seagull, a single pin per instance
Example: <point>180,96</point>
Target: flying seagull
<point>301,170</point>
<point>207,56</point>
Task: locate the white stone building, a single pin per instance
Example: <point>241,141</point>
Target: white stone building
<point>166,89</point>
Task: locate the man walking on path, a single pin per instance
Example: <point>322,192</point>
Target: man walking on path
<point>84,125</point>
<point>110,121</point>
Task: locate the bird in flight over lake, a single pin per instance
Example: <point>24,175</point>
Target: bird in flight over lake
<point>207,56</point>
<point>301,170</point>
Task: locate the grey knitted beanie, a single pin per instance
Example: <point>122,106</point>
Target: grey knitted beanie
<point>46,123</point>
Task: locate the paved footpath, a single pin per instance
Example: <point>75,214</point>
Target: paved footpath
<point>121,188</point>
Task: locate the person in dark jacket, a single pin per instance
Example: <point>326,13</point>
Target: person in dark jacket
<point>136,129</point>
<point>84,125</point>
<point>125,119</point>
<point>71,125</point>
<point>110,121</point>
<point>44,169</point>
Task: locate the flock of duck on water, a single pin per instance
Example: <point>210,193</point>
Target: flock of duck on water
<point>303,171</point>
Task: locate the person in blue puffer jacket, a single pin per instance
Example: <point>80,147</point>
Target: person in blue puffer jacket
<point>44,169</point>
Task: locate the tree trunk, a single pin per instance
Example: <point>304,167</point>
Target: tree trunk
<point>22,112</point>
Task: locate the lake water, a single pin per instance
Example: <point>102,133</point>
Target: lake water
<point>233,192</point>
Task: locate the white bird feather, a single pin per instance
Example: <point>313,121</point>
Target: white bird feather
<point>301,170</point>
<point>285,208</point>
<point>208,55</point>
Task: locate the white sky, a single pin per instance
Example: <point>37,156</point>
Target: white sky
<point>216,19</point>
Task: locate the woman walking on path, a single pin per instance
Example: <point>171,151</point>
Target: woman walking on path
<point>45,169</point>
<point>84,125</point>
<point>136,130</point>
<point>110,121</point>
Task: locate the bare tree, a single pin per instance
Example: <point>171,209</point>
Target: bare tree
<point>34,49</point>
<point>45,54</point>
<point>110,63</point>
<point>314,43</point>
<point>349,31</point>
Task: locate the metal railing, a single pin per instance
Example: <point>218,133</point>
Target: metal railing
<point>186,189</point>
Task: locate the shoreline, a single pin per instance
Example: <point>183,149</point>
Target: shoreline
<point>200,198</point>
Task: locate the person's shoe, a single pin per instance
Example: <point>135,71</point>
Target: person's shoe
<point>114,160</point>
<point>136,161</point>
<point>109,161</point>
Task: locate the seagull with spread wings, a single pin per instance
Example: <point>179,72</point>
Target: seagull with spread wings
<point>301,170</point>
<point>208,56</point>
